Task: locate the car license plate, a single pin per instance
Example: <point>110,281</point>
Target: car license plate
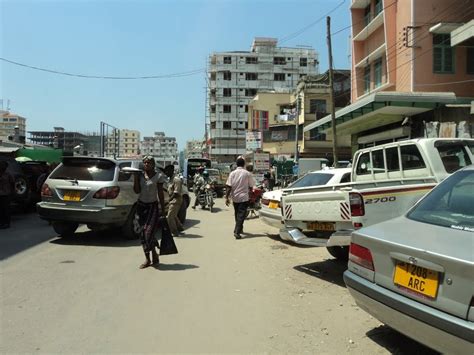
<point>72,196</point>
<point>273,204</point>
<point>416,278</point>
<point>321,226</point>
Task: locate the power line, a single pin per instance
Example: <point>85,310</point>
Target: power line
<point>163,76</point>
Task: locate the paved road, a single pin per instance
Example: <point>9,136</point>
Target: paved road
<point>86,294</point>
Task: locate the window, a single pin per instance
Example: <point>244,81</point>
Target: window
<point>317,106</point>
<point>303,62</point>
<point>227,109</point>
<point>227,75</point>
<point>366,79</point>
<point>470,60</point>
<point>378,162</point>
<point>378,7</point>
<point>251,76</point>
<point>227,60</point>
<point>279,60</point>
<point>251,60</point>
<point>378,73</point>
<point>363,165</point>
<point>227,92</point>
<point>227,125</point>
<point>453,156</point>
<point>367,16</point>
<point>411,157</point>
<point>393,163</point>
<point>443,54</point>
<point>213,125</point>
<point>279,77</point>
<point>250,92</point>
<point>213,108</point>
<point>246,108</point>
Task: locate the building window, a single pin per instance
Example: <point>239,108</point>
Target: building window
<point>246,108</point>
<point>378,7</point>
<point>227,75</point>
<point>316,105</point>
<point>227,109</point>
<point>227,92</point>
<point>227,60</point>
<point>303,62</point>
<point>213,108</point>
<point>367,15</point>
<point>227,125</point>
<point>443,54</point>
<point>250,92</point>
<point>279,77</point>
<point>250,60</point>
<point>367,79</point>
<point>251,76</point>
<point>378,73</point>
<point>213,125</point>
<point>279,60</point>
<point>470,60</point>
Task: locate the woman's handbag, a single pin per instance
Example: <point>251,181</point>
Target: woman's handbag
<point>167,245</point>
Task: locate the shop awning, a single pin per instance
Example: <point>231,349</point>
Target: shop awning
<point>381,108</point>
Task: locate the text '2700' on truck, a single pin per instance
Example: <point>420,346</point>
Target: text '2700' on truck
<point>386,181</point>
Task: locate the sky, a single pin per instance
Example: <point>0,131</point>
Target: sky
<point>138,38</point>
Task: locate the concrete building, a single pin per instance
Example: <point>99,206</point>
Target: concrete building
<point>8,123</point>
<point>412,72</point>
<point>123,143</point>
<point>164,149</point>
<point>194,149</point>
<point>236,77</point>
<point>59,138</point>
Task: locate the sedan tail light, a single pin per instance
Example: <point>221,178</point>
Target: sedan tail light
<point>361,256</point>
<point>108,193</point>
<point>265,201</point>
<point>357,204</point>
<point>46,191</point>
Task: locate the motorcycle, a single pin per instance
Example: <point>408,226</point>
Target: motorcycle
<point>255,197</point>
<point>207,195</point>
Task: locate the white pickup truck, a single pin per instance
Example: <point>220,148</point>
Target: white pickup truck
<point>386,180</point>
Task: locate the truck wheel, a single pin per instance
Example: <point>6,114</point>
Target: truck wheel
<point>131,229</point>
<point>65,229</point>
<point>340,253</point>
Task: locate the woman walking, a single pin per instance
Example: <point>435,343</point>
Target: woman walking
<point>149,186</point>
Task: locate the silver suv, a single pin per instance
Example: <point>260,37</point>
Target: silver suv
<point>95,192</point>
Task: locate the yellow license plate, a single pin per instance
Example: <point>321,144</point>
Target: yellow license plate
<point>273,205</point>
<point>321,226</point>
<point>72,196</point>
<point>416,278</point>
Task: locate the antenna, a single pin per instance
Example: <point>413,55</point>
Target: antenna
<point>8,105</point>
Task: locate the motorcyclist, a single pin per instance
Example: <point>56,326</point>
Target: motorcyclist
<point>198,183</point>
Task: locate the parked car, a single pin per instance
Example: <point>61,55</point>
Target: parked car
<point>415,273</point>
<point>270,213</point>
<point>92,191</point>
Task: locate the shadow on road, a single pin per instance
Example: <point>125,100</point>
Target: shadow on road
<point>191,222</point>
<point>102,239</point>
<point>397,343</point>
<point>329,270</point>
<point>190,236</point>
<point>246,235</point>
<point>175,267</point>
<point>277,238</point>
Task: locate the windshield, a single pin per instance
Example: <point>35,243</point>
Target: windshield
<point>450,204</point>
<point>85,170</point>
<point>312,179</point>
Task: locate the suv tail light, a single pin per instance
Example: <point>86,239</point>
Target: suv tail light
<point>357,204</point>
<point>361,256</point>
<point>46,191</point>
<point>108,193</point>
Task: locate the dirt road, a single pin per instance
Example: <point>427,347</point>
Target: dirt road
<point>218,295</point>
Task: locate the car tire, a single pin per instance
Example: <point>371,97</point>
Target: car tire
<point>339,252</point>
<point>183,209</point>
<point>65,229</point>
<point>21,187</point>
<point>131,229</point>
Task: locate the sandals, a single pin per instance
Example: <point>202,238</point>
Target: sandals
<point>145,264</point>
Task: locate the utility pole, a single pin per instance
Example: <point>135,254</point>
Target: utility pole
<point>297,122</point>
<point>331,88</point>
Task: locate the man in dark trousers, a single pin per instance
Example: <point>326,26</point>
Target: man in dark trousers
<point>7,188</point>
<point>238,184</point>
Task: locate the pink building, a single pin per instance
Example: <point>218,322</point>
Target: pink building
<point>412,63</point>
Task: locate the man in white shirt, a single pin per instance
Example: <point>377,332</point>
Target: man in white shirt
<point>238,185</point>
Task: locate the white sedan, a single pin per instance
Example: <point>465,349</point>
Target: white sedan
<point>270,212</point>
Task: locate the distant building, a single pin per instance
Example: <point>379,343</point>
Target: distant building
<point>194,149</point>
<point>123,143</point>
<point>8,123</point>
<point>59,138</point>
<point>235,77</point>
<point>164,149</point>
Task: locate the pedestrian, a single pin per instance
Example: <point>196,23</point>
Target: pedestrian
<point>272,178</point>
<point>238,185</point>
<point>175,192</point>
<point>7,188</point>
<point>198,181</point>
<point>149,186</point>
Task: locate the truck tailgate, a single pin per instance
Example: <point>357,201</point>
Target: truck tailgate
<point>332,206</point>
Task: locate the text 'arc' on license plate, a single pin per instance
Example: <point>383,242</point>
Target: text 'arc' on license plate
<point>72,196</point>
<point>416,278</point>
<point>321,226</point>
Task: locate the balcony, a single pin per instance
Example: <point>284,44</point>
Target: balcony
<point>359,4</point>
<point>377,53</point>
<point>370,28</point>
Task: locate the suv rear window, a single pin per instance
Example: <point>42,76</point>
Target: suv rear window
<point>85,170</point>
<point>450,204</point>
<point>454,157</point>
<point>312,179</point>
